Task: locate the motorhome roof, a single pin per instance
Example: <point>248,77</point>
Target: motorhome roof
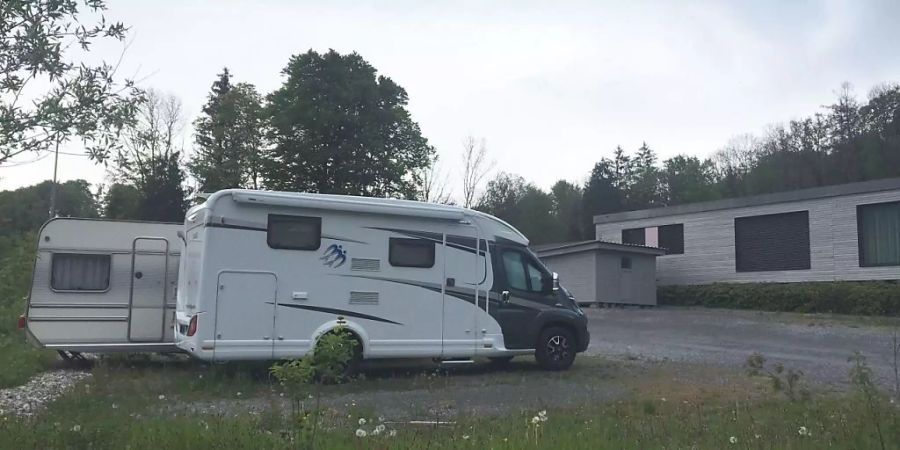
<point>387,206</point>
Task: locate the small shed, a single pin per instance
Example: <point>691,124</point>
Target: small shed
<point>604,272</point>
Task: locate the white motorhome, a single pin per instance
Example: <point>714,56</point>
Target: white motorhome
<point>264,274</point>
<point>104,286</point>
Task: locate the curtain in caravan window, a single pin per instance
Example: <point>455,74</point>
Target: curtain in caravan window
<point>80,272</point>
<point>879,234</point>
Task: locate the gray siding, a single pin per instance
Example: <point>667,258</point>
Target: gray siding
<point>709,243</point>
<point>576,273</point>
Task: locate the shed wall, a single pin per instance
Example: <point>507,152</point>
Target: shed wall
<point>709,243</point>
<point>576,273</point>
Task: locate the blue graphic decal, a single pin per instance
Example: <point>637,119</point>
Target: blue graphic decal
<point>334,256</point>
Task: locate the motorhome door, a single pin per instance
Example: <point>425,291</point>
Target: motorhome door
<point>464,291</point>
<point>148,293</point>
<point>245,315</point>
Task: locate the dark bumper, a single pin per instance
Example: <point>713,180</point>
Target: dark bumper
<point>583,336</point>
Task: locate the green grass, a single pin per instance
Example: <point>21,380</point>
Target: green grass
<point>120,407</point>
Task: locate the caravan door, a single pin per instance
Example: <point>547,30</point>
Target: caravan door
<point>148,293</point>
<point>465,295</point>
<point>245,315</point>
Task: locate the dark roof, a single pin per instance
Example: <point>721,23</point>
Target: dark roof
<point>885,184</point>
<point>564,248</point>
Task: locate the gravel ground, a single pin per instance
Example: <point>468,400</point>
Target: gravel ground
<point>43,388</point>
<point>815,344</point>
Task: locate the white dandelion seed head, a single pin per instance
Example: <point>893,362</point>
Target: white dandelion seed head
<point>362,421</point>
<point>802,431</point>
<point>535,419</point>
<point>392,433</point>
<point>161,397</point>
<point>76,428</point>
<point>376,432</point>
<point>380,428</point>
<point>465,437</point>
<point>361,433</point>
<point>733,439</point>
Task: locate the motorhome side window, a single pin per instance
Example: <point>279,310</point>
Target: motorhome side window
<point>405,252</point>
<point>521,272</point>
<point>294,232</point>
<point>79,272</point>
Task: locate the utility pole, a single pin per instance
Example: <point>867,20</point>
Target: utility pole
<point>53,186</point>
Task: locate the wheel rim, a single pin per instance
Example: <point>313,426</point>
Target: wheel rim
<point>558,348</point>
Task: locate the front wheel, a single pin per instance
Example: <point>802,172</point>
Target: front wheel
<point>555,349</point>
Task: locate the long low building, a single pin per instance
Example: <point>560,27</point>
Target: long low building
<point>842,232</point>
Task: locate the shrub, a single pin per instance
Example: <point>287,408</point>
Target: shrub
<point>872,298</point>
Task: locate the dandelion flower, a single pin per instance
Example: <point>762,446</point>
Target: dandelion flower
<point>361,433</point>
<point>803,431</point>
<point>162,397</point>
<point>381,418</point>
<point>376,432</point>
<point>392,433</point>
<point>733,439</point>
<point>76,428</point>
<point>239,394</point>
<point>757,436</point>
<point>115,406</point>
<point>535,419</point>
<point>380,428</point>
<point>362,421</point>
<point>465,437</point>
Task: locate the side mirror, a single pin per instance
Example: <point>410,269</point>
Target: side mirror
<point>547,284</point>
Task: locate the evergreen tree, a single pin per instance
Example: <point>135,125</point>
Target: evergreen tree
<point>228,137</point>
<point>567,208</point>
<point>338,128</point>
<point>601,195</point>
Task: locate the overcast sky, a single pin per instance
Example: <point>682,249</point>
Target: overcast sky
<point>551,86</point>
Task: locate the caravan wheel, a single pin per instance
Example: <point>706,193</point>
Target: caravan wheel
<point>555,349</point>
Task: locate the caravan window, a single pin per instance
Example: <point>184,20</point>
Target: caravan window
<point>294,232</point>
<point>79,272</point>
<point>404,252</point>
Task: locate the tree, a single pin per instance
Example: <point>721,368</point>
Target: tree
<point>434,184</point>
<point>338,128</point>
<point>601,194</point>
<point>567,208</point>
<point>24,210</point>
<point>46,97</point>
<point>522,205</point>
<point>150,158</point>
<point>123,202</point>
<point>688,180</point>
<point>228,137</point>
<point>475,168</point>
<point>643,188</point>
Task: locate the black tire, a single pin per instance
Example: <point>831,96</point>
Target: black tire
<point>500,360</point>
<point>555,349</point>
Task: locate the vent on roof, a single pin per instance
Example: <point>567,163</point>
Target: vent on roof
<point>363,298</point>
<point>366,264</point>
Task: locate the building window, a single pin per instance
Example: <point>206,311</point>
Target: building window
<point>79,272</point>
<point>634,236</point>
<point>405,252</point>
<point>625,262</point>
<point>667,237</point>
<point>671,239</point>
<point>772,242</point>
<point>294,232</point>
<point>878,232</point>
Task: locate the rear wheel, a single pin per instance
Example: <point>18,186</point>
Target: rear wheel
<point>555,349</point>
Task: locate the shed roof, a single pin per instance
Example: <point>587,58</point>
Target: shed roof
<point>885,184</point>
<point>565,248</point>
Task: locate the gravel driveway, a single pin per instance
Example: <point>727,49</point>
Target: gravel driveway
<point>815,344</point>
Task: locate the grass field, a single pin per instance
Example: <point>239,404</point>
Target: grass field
<point>137,404</point>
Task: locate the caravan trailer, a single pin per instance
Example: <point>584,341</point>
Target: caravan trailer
<point>264,274</point>
<point>104,286</point>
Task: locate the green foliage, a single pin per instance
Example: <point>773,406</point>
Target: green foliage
<point>122,201</point>
<point>567,209</point>
<point>338,128</point>
<point>228,137</point>
<point>524,206</point>
<point>786,381</point>
<point>327,364</point>
<point>24,210</point>
<point>36,38</point>
<point>875,298</point>
<point>20,361</point>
